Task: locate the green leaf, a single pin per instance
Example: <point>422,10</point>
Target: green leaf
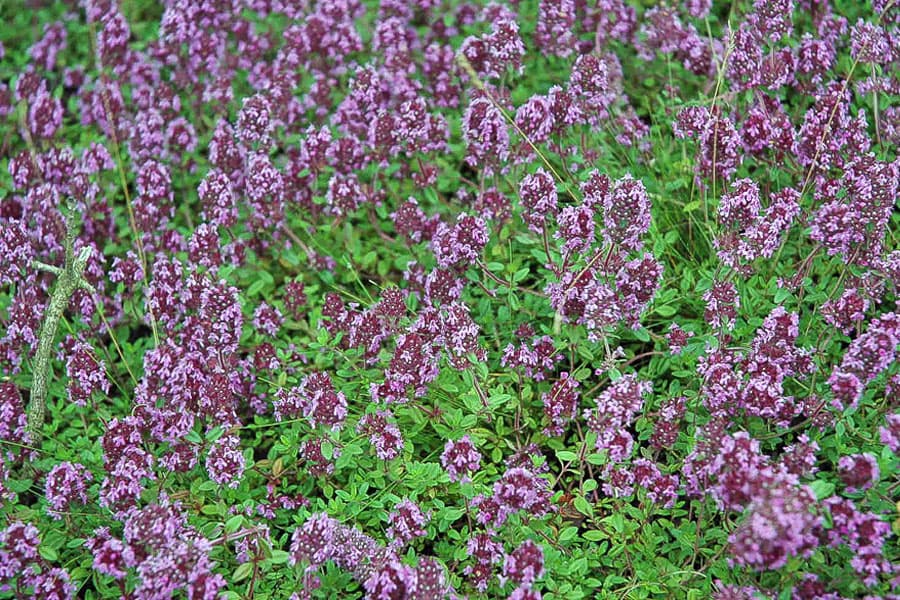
<point>242,572</point>
<point>666,310</point>
<point>566,455</point>
<point>279,557</point>
<point>568,533</point>
<point>48,553</point>
<point>822,489</point>
<point>234,523</point>
<point>327,450</point>
<point>583,506</point>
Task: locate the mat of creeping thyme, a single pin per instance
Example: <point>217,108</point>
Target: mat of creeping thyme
<point>425,299</point>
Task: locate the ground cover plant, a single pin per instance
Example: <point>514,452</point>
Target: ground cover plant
<point>440,299</point>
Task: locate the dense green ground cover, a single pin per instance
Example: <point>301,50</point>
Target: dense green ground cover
<point>431,299</point>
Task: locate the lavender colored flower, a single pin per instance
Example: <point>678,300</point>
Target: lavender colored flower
<point>413,365</point>
<point>576,228</point>
<point>772,18</point>
<point>668,424</point>
<point>626,214</point>
<point>312,454</point>
<point>321,403</point>
<point>525,564</point>
<point>459,336</point>
<point>722,304</point>
<point>45,115</point>
<point>845,312</point>
<point>459,244</point>
<point>225,463</point>
<point>86,374</point>
<point>589,83</point>
<point>560,404</point>
<point>485,553</point>
<point>539,199</point>
<point>677,338</point>
<point>869,43</point>
<point>535,119</point>
<point>406,522</point>
<point>615,409</point>
<point>858,471</point>
<point>486,135</point>
<point>313,542</point>
<point>890,432</point>
<point>384,435</point>
<point>254,122</point>
<point>799,458</point>
<point>554,32</point>
<point>431,579</point>
<point>461,459</point>
<point>217,197</point>
<point>267,318</point>
<point>524,592</point>
<point>391,580</point>
<point>520,490</point>
<point>18,549</point>
<point>112,557</point>
<point>661,489</point>
<point>779,525</point>
<point>66,483</point>
<point>53,584</point>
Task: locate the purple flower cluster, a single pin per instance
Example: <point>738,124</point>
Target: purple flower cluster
<point>244,175</point>
<point>163,551</point>
<point>22,568</point>
<point>321,539</point>
<point>406,523</point>
<point>615,409</point>
<point>866,357</point>
<point>66,483</point>
<point>460,458</point>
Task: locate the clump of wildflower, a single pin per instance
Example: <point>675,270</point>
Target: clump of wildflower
<point>312,542</point>
<point>460,458</point>
<point>383,434</point>
<point>86,374</point>
<point>460,244</point>
<point>616,408</point>
<point>890,432</point>
<point>626,214</point>
<point>254,122</point>
<point>719,143</point>
<point>459,335</point>
<point>722,304</point>
<point>539,199</point>
<point>485,553</point>
<point>576,228</point>
<point>667,425</point>
<point>267,318</point>
<point>866,357</point>
<point>677,338</point>
<point>847,311</point>
<point>391,580</point>
<point>525,564</point>
<point>555,24</point>
<point>560,404</point>
<point>778,526</point>
<point>406,522</point>
<point>66,483</point>
<point>225,461</point>
<point>486,135</point>
<point>858,471</point>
